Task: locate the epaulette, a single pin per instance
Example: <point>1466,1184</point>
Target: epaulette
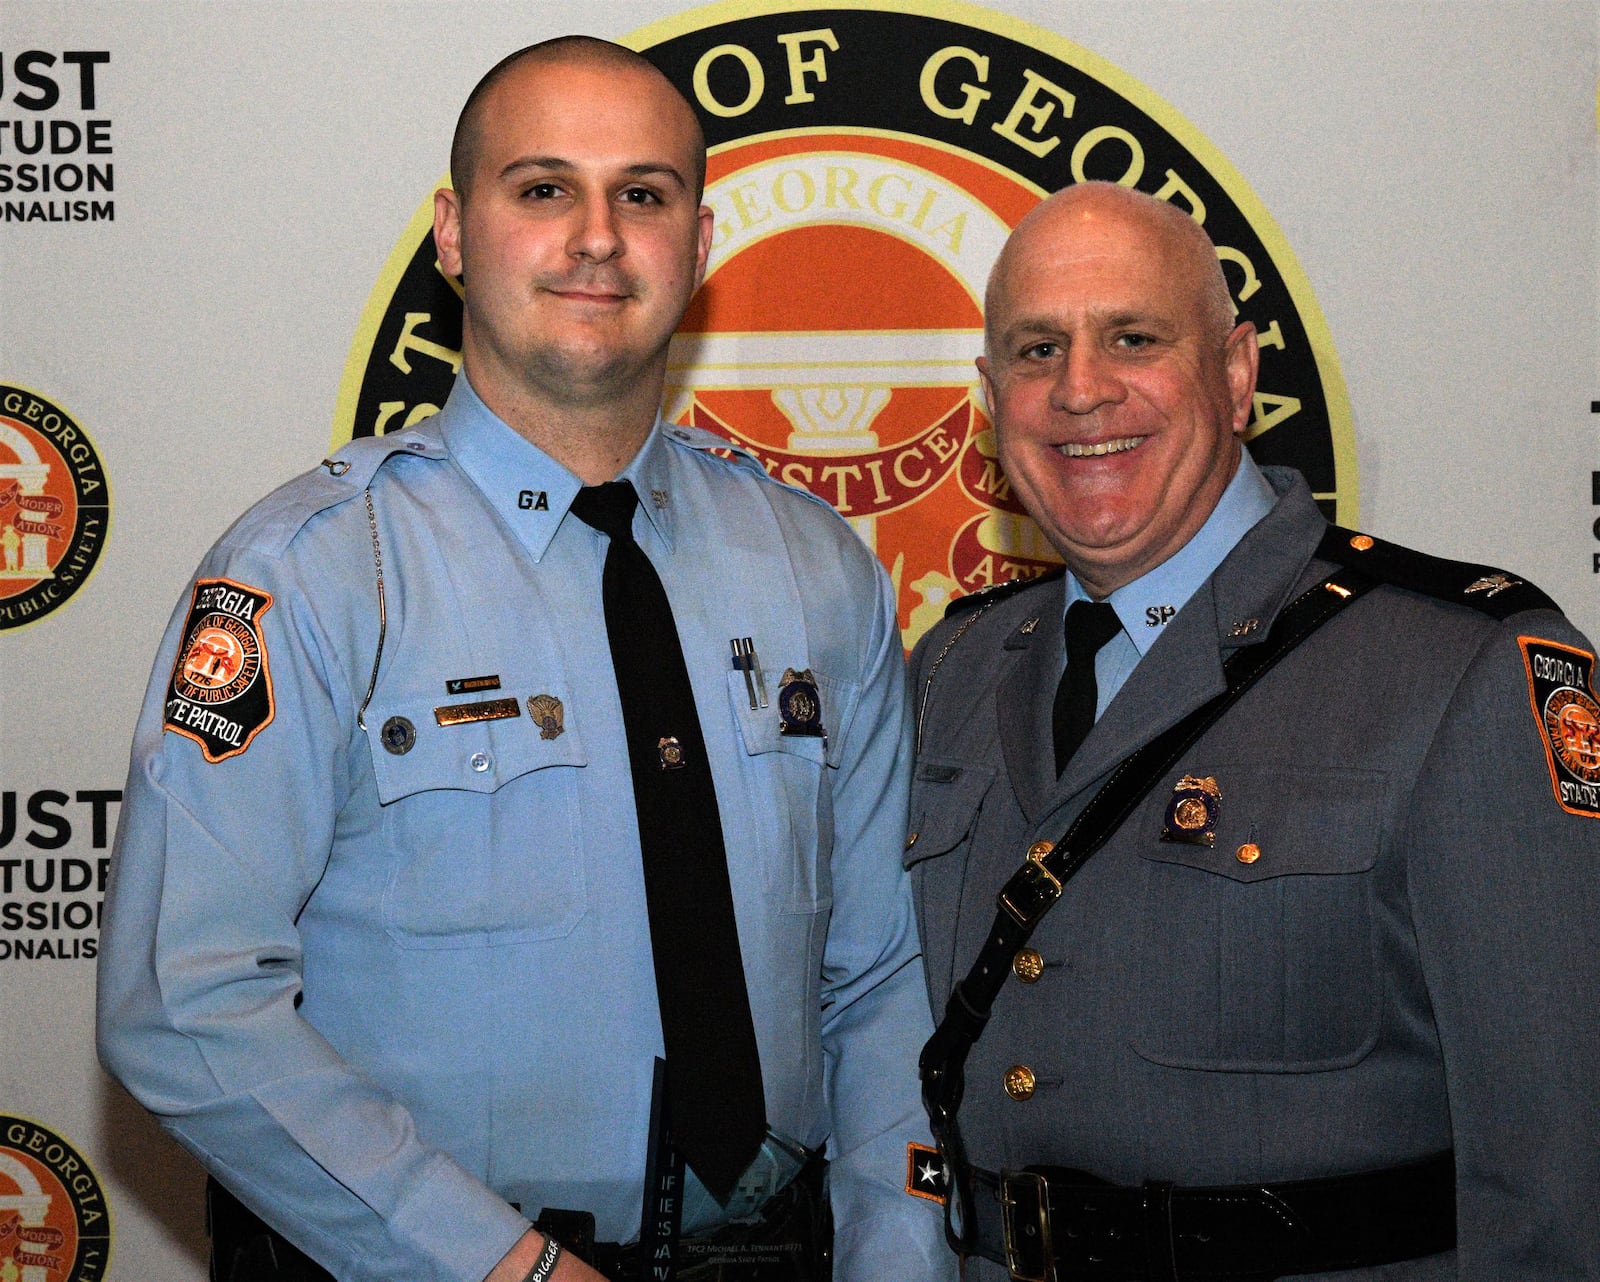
<point>735,455</point>
<point>1494,592</point>
<point>999,591</point>
<point>273,523</point>
<point>698,438</point>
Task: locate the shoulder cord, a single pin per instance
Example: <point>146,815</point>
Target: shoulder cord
<point>383,614</point>
<point>1034,889</point>
<point>927,686</point>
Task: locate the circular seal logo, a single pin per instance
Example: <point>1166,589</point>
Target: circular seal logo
<point>1572,720</point>
<point>55,1225</point>
<point>867,162</point>
<point>220,661</point>
<point>55,506</point>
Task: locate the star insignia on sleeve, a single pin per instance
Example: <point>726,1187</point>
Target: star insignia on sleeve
<point>926,1175</point>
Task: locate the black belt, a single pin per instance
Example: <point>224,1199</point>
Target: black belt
<point>1048,1223</point>
<point>789,1240</point>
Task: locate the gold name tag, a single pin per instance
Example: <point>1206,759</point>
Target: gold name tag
<point>458,714</point>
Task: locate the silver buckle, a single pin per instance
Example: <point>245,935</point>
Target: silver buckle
<point>1023,1217</point>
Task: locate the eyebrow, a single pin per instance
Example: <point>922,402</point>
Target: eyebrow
<point>558,165</point>
<point>1108,318</point>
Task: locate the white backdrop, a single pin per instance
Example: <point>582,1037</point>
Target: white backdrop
<point>1432,165</point>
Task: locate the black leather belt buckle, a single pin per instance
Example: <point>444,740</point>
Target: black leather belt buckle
<point>1025,1223</point>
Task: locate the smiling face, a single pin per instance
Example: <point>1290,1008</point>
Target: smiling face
<point>578,234</point>
<point>1117,384</point>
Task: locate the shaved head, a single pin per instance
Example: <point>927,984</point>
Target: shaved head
<point>1186,248</point>
<point>589,51</point>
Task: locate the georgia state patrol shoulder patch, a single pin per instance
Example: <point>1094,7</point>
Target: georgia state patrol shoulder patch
<point>1560,686</point>
<point>220,694</point>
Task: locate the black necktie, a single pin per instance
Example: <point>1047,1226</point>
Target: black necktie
<point>1089,625</point>
<point>716,1111</point>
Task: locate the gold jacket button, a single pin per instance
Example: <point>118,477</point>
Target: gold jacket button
<point>1040,849</point>
<point>1027,965</point>
<point>1020,1082</point>
<point>1248,853</point>
<point>912,839</point>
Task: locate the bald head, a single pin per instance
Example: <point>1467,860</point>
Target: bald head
<point>1118,385</point>
<point>563,51</point>
<point>1093,209</point>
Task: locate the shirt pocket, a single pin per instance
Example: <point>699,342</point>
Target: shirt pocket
<point>1269,965</point>
<point>946,797</point>
<point>790,789</point>
<point>479,823</point>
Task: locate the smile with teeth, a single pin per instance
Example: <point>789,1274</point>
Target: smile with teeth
<point>1082,449</point>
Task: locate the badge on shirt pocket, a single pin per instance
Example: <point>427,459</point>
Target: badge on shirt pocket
<point>800,704</point>
<point>1192,813</point>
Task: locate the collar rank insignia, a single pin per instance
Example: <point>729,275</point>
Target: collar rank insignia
<point>1561,689</point>
<point>925,1173</point>
<point>1193,812</point>
<point>548,715</point>
<point>1491,584</point>
<point>800,704</point>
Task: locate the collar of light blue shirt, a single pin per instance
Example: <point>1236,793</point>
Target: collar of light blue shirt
<point>530,490</point>
<point>1145,606</point>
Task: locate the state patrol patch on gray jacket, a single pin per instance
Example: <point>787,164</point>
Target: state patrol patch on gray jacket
<point>1561,689</point>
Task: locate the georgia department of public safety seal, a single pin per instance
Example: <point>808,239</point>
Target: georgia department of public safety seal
<point>55,506</point>
<point>55,1225</point>
<point>867,162</point>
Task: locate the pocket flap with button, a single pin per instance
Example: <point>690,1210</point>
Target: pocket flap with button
<point>1285,822</point>
<point>945,799</point>
<point>412,752</point>
<point>760,729</point>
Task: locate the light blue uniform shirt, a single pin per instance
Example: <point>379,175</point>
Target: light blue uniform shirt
<point>1145,606</point>
<point>384,994</point>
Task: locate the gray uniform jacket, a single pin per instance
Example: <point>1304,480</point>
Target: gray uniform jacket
<point>1412,963</point>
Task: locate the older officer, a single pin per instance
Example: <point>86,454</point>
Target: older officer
<point>420,865</point>
<point>1323,1002</point>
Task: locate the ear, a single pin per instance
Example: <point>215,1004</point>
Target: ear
<point>705,224</point>
<point>1242,359</point>
<point>447,229</point>
<point>987,382</point>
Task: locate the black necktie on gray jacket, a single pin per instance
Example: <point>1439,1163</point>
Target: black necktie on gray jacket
<point>1089,625</point>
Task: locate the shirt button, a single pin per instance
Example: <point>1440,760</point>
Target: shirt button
<point>1248,853</point>
<point>480,761</point>
<point>1020,1082</point>
<point>1027,965</point>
